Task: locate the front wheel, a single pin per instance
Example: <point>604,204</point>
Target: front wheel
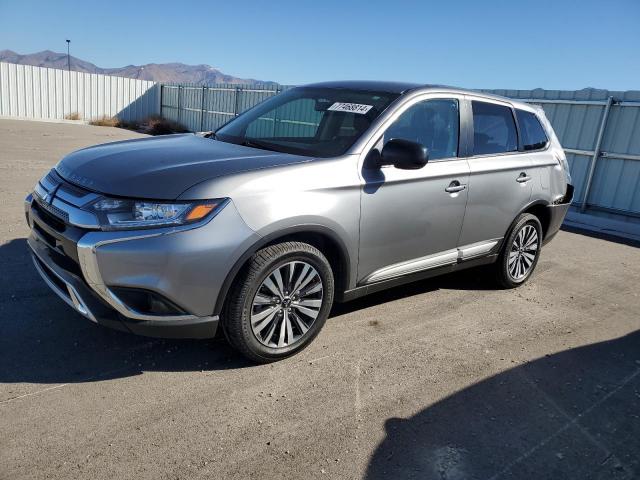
<point>520,252</point>
<point>279,302</point>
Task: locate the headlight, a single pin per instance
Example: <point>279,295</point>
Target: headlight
<point>115,213</point>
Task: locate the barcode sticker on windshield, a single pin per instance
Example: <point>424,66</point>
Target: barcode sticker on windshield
<point>350,107</point>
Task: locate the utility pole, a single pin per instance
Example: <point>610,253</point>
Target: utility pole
<point>68,56</point>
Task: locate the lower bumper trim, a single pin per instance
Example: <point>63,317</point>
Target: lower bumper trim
<point>62,288</point>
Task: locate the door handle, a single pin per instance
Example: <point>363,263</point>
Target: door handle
<point>523,178</point>
<point>454,187</point>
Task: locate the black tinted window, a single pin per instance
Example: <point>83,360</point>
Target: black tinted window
<point>433,123</point>
<point>532,133</point>
<point>494,130</point>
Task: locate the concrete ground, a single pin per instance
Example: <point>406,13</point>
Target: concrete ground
<point>443,379</point>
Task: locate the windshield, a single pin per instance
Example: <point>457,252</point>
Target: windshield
<point>316,122</point>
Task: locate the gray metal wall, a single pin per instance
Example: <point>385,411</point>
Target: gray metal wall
<point>206,108</point>
<point>48,93</point>
<point>578,117</point>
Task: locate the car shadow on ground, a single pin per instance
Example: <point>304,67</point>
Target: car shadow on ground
<point>571,415</point>
<point>477,278</point>
<point>42,340</point>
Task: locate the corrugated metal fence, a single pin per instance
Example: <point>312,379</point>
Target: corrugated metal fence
<point>599,129</point>
<point>204,108</point>
<point>48,93</point>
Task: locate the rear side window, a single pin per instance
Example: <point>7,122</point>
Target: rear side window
<point>494,130</point>
<point>532,133</point>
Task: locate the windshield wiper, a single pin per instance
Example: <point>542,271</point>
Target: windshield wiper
<point>211,135</point>
<point>258,144</point>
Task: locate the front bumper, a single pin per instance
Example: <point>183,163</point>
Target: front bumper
<point>186,266</point>
<point>76,293</point>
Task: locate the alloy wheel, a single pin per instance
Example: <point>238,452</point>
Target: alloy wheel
<point>524,250</point>
<point>286,304</point>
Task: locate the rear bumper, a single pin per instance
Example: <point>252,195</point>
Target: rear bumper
<point>557,213</point>
<point>78,295</point>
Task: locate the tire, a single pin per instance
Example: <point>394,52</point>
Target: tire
<point>515,264</point>
<point>259,291</point>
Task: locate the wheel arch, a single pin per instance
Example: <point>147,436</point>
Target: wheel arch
<point>320,236</point>
<point>540,210</point>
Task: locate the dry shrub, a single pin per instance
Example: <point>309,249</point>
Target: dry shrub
<point>153,125</point>
<point>72,116</point>
<point>114,122</point>
<point>157,125</point>
<point>129,124</point>
<point>105,122</point>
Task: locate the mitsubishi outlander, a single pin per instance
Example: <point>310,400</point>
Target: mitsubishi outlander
<point>324,192</point>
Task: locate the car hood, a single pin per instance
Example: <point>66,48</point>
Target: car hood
<point>163,167</point>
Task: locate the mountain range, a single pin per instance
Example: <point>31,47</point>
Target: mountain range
<point>158,72</point>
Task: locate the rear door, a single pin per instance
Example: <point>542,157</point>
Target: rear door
<point>500,177</point>
<point>548,179</point>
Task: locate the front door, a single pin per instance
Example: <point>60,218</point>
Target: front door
<point>411,219</point>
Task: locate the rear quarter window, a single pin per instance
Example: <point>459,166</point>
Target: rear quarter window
<point>531,132</point>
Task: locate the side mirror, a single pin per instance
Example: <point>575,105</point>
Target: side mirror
<point>404,154</point>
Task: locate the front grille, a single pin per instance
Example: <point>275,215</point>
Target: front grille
<point>57,222</point>
<point>53,210</point>
<point>66,262</point>
<point>48,238</point>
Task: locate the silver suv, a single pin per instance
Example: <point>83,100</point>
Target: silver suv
<point>325,192</point>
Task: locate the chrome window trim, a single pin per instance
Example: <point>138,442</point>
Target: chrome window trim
<point>514,106</point>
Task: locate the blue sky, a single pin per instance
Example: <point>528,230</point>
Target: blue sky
<point>477,44</point>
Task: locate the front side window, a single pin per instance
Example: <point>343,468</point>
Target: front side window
<point>432,123</point>
<point>494,130</point>
<point>316,122</point>
<point>531,131</point>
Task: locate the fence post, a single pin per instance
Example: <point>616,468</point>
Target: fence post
<point>179,101</point>
<point>202,110</point>
<point>161,94</point>
<point>596,153</point>
<point>237,106</point>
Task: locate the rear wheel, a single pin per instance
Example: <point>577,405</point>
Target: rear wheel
<point>520,252</point>
<point>279,302</point>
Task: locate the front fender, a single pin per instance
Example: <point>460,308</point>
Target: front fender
<point>271,235</point>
